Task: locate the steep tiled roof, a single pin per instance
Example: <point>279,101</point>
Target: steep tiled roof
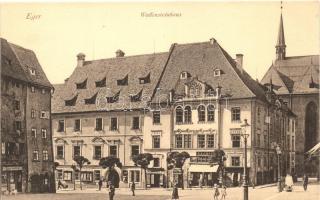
<point>295,73</point>
<point>21,61</point>
<point>200,60</point>
<point>113,69</point>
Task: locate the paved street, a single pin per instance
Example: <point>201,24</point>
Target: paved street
<point>259,193</point>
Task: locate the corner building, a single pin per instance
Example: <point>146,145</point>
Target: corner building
<point>26,140</point>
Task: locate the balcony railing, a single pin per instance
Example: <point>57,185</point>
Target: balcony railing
<point>201,159</point>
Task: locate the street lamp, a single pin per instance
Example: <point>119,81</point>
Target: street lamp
<point>278,150</point>
<point>74,167</point>
<point>245,136</point>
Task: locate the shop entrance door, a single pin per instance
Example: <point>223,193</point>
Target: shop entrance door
<point>18,178</point>
<point>156,182</point>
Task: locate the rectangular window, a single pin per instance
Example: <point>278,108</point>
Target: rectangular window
<point>3,148</point>
<point>32,71</point>
<point>34,132</point>
<point>210,141</point>
<point>135,176</point>
<point>77,175</point>
<point>135,123</point>
<point>35,155</point>
<point>61,126</point>
<point>98,124</point>
<point>45,155</point>
<point>67,175</point>
<point>258,140</point>
<point>235,138</point>
<point>114,124</point>
<point>97,152</point>
<point>156,141</point>
<point>86,176</point>
<point>265,138</point>
<point>96,175</point>
<point>59,174</point>
<point>16,105</point>
<point>235,114</point>
<point>187,141</point>
<point>156,117</point>
<point>113,151</point>
<point>235,161</point>
<point>178,141</point>
<point>77,125</point>
<point>293,145</point>
<point>44,115</point>
<point>76,151</point>
<point>135,150</point>
<point>33,113</point>
<point>156,162</point>
<point>18,125</point>
<point>60,152</point>
<point>44,133</point>
<point>201,141</point>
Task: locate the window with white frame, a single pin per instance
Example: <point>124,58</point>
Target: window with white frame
<point>77,125</point>
<point>156,117</point>
<point>33,90</point>
<point>60,152</point>
<point>156,162</point>
<point>235,114</point>
<point>217,72</point>
<point>210,141</point>
<point>236,140</point>
<point>113,150</point>
<point>76,151</point>
<point>97,175</point>
<point>201,141</point>
<point>97,154</point>
<point>35,155</point>
<point>201,113</point>
<point>98,124</point>
<point>44,133</point>
<point>32,71</point>
<point>135,150</point>
<point>34,132</point>
<point>235,161</point>
<point>135,123</point>
<point>114,124</point>
<point>135,176</point>
<point>178,141</point>
<point>45,155</point>
<point>179,114</point>
<point>61,125</point>
<point>210,113</point>
<point>187,114</point>
<point>44,115</point>
<point>67,175</point>
<point>187,141</point>
<point>156,141</point>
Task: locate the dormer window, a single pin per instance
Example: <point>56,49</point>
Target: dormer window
<point>101,83</point>
<point>32,71</point>
<point>184,75</point>
<point>114,98</point>
<point>136,97</point>
<point>71,102</point>
<point>123,81</point>
<point>217,72</point>
<point>91,100</point>
<point>82,85</point>
<point>145,80</point>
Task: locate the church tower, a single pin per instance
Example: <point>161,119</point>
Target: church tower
<point>281,44</point>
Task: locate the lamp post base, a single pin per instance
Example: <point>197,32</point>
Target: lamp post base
<point>245,192</point>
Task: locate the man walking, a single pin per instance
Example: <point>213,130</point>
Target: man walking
<point>111,190</point>
<point>100,184</point>
<point>133,187</point>
<point>216,192</point>
<point>305,182</point>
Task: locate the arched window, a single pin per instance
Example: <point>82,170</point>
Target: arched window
<point>201,113</point>
<point>187,114</point>
<point>179,114</point>
<point>210,113</point>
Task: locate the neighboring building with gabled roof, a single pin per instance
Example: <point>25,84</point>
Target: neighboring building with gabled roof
<point>296,80</point>
<point>26,140</point>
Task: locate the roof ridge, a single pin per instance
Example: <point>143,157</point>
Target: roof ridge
<point>124,57</point>
<point>191,43</point>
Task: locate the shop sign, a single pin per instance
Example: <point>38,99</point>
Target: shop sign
<point>177,171</point>
<point>12,168</point>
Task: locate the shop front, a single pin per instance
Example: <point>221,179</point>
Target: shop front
<point>11,178</point>
<point>203,175</point>
<point>155,177</point>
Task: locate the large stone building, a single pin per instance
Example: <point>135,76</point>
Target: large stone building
<point>193,98</point>
<point>296,80</point>
<point>26,140</point>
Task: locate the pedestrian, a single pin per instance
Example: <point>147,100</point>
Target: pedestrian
<point>224,192</point>
<point>175,194</point>
<point>305,182</point>
<point>111,191</point>
<point>216,192</point>
<point>200,181</point>
<point>133,187</point>
<point>100,184</point>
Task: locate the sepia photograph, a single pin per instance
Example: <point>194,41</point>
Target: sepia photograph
<point>164,100</point>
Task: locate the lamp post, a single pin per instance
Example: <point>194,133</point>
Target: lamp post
<point>278,150</point>
<point>245,136</point>
<point>74,167</point>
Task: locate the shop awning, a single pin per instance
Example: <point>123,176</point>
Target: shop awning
<point>203,168</point>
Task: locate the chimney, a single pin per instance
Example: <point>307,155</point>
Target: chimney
<point>212,41</point>
<point>66,80</point>
<point>119,53</point>
<point>239,60</point>
<point>218,91</point>
<point>81,59</point>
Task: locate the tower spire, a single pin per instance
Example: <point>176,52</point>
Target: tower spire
<point>281,44</point>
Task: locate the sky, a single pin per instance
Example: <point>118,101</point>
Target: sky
<point>57,32</point>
